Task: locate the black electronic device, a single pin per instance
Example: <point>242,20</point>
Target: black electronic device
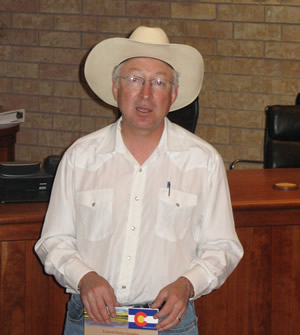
<point>27,181</point>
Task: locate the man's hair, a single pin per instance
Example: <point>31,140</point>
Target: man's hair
<point>117,69</point>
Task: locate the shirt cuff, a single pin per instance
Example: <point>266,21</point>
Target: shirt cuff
<point>74,272</point>
<point>200,281</point>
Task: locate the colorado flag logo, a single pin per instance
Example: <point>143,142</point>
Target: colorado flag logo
<point>142,318</point>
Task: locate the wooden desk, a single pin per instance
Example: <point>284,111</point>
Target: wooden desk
<point>261,297</point>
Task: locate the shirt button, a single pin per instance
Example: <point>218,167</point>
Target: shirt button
<point>133,228</point>
<point>129,258</point>
<point>137,198</point>
<point>140,170</point>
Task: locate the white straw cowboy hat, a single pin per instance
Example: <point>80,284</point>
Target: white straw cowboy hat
<point>145,42</point>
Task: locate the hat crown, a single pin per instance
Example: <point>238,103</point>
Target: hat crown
<point>149,35</point>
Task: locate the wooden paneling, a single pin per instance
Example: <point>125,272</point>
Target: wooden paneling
<point>7,143</point>
<point>261,297</point>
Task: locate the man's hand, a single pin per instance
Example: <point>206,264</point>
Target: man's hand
<point>96,294</point>
<point>175,298</point>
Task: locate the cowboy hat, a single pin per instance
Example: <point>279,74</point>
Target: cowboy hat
<point>145,42</point>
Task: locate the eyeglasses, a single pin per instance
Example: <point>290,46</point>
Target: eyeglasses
<point>138,82</point>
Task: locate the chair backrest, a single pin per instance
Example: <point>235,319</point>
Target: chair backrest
<point>282,137</point>
<point>187,116</point>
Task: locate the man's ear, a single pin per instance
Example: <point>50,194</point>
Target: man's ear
<point>115,88</point>
<point>174,95</point>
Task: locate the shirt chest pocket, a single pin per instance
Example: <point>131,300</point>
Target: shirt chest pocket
<point>95,213</point>
<point>174,213</point>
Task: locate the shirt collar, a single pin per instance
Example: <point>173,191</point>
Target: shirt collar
<point>172,139</point>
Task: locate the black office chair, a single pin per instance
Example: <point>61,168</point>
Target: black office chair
<point>282,138</point>
<point>185,117</point>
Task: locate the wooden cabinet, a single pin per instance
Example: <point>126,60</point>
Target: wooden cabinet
<point>31,302</point>
<point>261,297</point>
<point>7,142</point>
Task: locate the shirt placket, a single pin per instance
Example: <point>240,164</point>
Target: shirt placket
<point>132,233</point>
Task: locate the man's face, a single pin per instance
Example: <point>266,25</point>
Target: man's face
<point>144,107</point>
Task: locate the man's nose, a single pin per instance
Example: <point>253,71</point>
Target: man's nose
<point>146,90</point>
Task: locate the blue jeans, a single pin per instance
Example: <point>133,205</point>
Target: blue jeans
<point>74,323</point>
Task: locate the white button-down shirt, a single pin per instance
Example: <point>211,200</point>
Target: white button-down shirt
<point>140,227</point>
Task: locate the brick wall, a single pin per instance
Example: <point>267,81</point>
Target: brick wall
<point>251,50</point>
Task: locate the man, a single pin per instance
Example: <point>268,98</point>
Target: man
<point>140,212</point>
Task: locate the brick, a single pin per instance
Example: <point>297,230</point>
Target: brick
<point>97,108</point>
<point>247,136</point>
<point>284,51</point>
<point>291,33</point>
<point>283,14</point>
<point>173,28</point>
<point>281,85</point>
<point>60,39</point>
<point>243,119</point>
<point>66,122</point>
<point>32,54</point>
<point>214,99</point>
<point>242,13</point>
<point>202,29</point>
<point>38,121</point>
<point>59,105</point>
<point>5,52</point>
<point>105,7</point>
<point>193,11</point>
<point>75,23</point>
<point>256,66</point>
<point>206,116</point>
<point>32,21</point>
<point>119,26</point>
<point>16,101</point>
<point>60,6</point>
<point>19,37</point>
<point>204,46</point>
<point>28,136</point>
<point>57,138</point>
<point>31,86</point>
<point>235,83</point>
<point>253,102</point>
<point>257,31</point>
<point>31,153</point>
<point>59,72</point>
<point>89,40</point>
<point>235,151</point>
<point>209,81</point>
<point>69,56</point>
<point>23,70</point>
<point>5,86</point>
<point>69,90</point>
<point>290,69</point>
<point>214,134</point>
<point>238,48</point>
<point>258,2</point>
<point>5,21</point>
<point>26,6</point>
<point>217,64</point>
<point>103,122</point>
<point>148,9</point>
<point>88,124</point>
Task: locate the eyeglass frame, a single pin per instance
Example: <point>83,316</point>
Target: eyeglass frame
<point>141,81</point>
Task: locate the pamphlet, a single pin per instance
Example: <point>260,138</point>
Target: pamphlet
<point>128,321</point>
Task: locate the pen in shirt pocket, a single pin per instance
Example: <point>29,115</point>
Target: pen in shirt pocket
<point>169,188</point>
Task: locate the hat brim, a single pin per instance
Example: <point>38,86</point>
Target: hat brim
<point>186,60</point>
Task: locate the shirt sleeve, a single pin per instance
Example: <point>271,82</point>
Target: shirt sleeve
<point>56,247</point>
<point>219,249</point>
